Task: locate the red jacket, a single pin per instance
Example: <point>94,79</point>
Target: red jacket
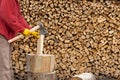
<point>11,21</point>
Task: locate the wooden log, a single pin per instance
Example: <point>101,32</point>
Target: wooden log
<point>41,76</point>
<point>94,1</point>
<point>101,0</point>
<point>40,63</point>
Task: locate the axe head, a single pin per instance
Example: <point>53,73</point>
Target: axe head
<point>43,31</point>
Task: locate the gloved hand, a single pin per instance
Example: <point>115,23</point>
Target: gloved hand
<point>27,32</point>
<point>35,34</point>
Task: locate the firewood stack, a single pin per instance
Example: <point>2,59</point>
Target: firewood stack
<point>84,36</point>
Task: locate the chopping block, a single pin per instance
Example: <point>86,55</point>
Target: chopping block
<point>43,63</point>
<point>41,66</point>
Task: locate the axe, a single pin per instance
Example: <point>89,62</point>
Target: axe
<point>40,41</point>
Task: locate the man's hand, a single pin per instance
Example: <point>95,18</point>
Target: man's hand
<point>35,34</point>
<point>27,32</point>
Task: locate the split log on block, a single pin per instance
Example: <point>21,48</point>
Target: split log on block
<point>41,76</point>
<point>40,63</point>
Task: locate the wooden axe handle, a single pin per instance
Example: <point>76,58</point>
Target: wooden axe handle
<point>21,35</point>
<point>40,45</point>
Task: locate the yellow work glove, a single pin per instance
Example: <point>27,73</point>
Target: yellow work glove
<point>35,34</point>
<point>27,32</point>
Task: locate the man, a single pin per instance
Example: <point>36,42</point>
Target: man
<point>11,23</point>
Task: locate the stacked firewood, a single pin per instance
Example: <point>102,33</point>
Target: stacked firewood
<point>84,37</point>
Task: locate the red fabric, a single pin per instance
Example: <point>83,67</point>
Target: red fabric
<point>11,20</point>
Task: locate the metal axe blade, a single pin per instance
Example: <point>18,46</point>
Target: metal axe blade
<point>42,29</point>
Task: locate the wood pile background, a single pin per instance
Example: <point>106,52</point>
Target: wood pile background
<point>84,37</point>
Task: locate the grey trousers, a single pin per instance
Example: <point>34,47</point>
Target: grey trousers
<point>6,72</point>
